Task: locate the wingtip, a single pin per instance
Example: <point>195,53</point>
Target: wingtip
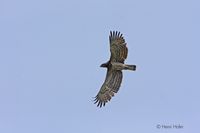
<point>98,102</point>
<point>111,34</point>
<point>116,34</point>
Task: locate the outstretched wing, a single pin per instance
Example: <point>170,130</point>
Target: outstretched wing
<point>110,86</point>
<point>118,48</point>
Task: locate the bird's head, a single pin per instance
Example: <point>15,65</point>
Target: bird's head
<point>104,64</point>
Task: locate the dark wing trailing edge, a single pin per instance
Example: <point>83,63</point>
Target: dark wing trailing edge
<point>118,48</point>
<point>110,86</point>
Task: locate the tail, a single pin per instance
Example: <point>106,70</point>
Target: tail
<point>130,67</point>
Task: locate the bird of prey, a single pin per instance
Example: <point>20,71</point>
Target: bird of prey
<point>114,67</point>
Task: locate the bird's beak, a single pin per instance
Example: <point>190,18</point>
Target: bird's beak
<point>102,65</point>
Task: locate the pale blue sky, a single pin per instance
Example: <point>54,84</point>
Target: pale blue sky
<point>50,53</point>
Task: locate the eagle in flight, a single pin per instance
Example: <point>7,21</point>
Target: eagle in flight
<point>114,66</point>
